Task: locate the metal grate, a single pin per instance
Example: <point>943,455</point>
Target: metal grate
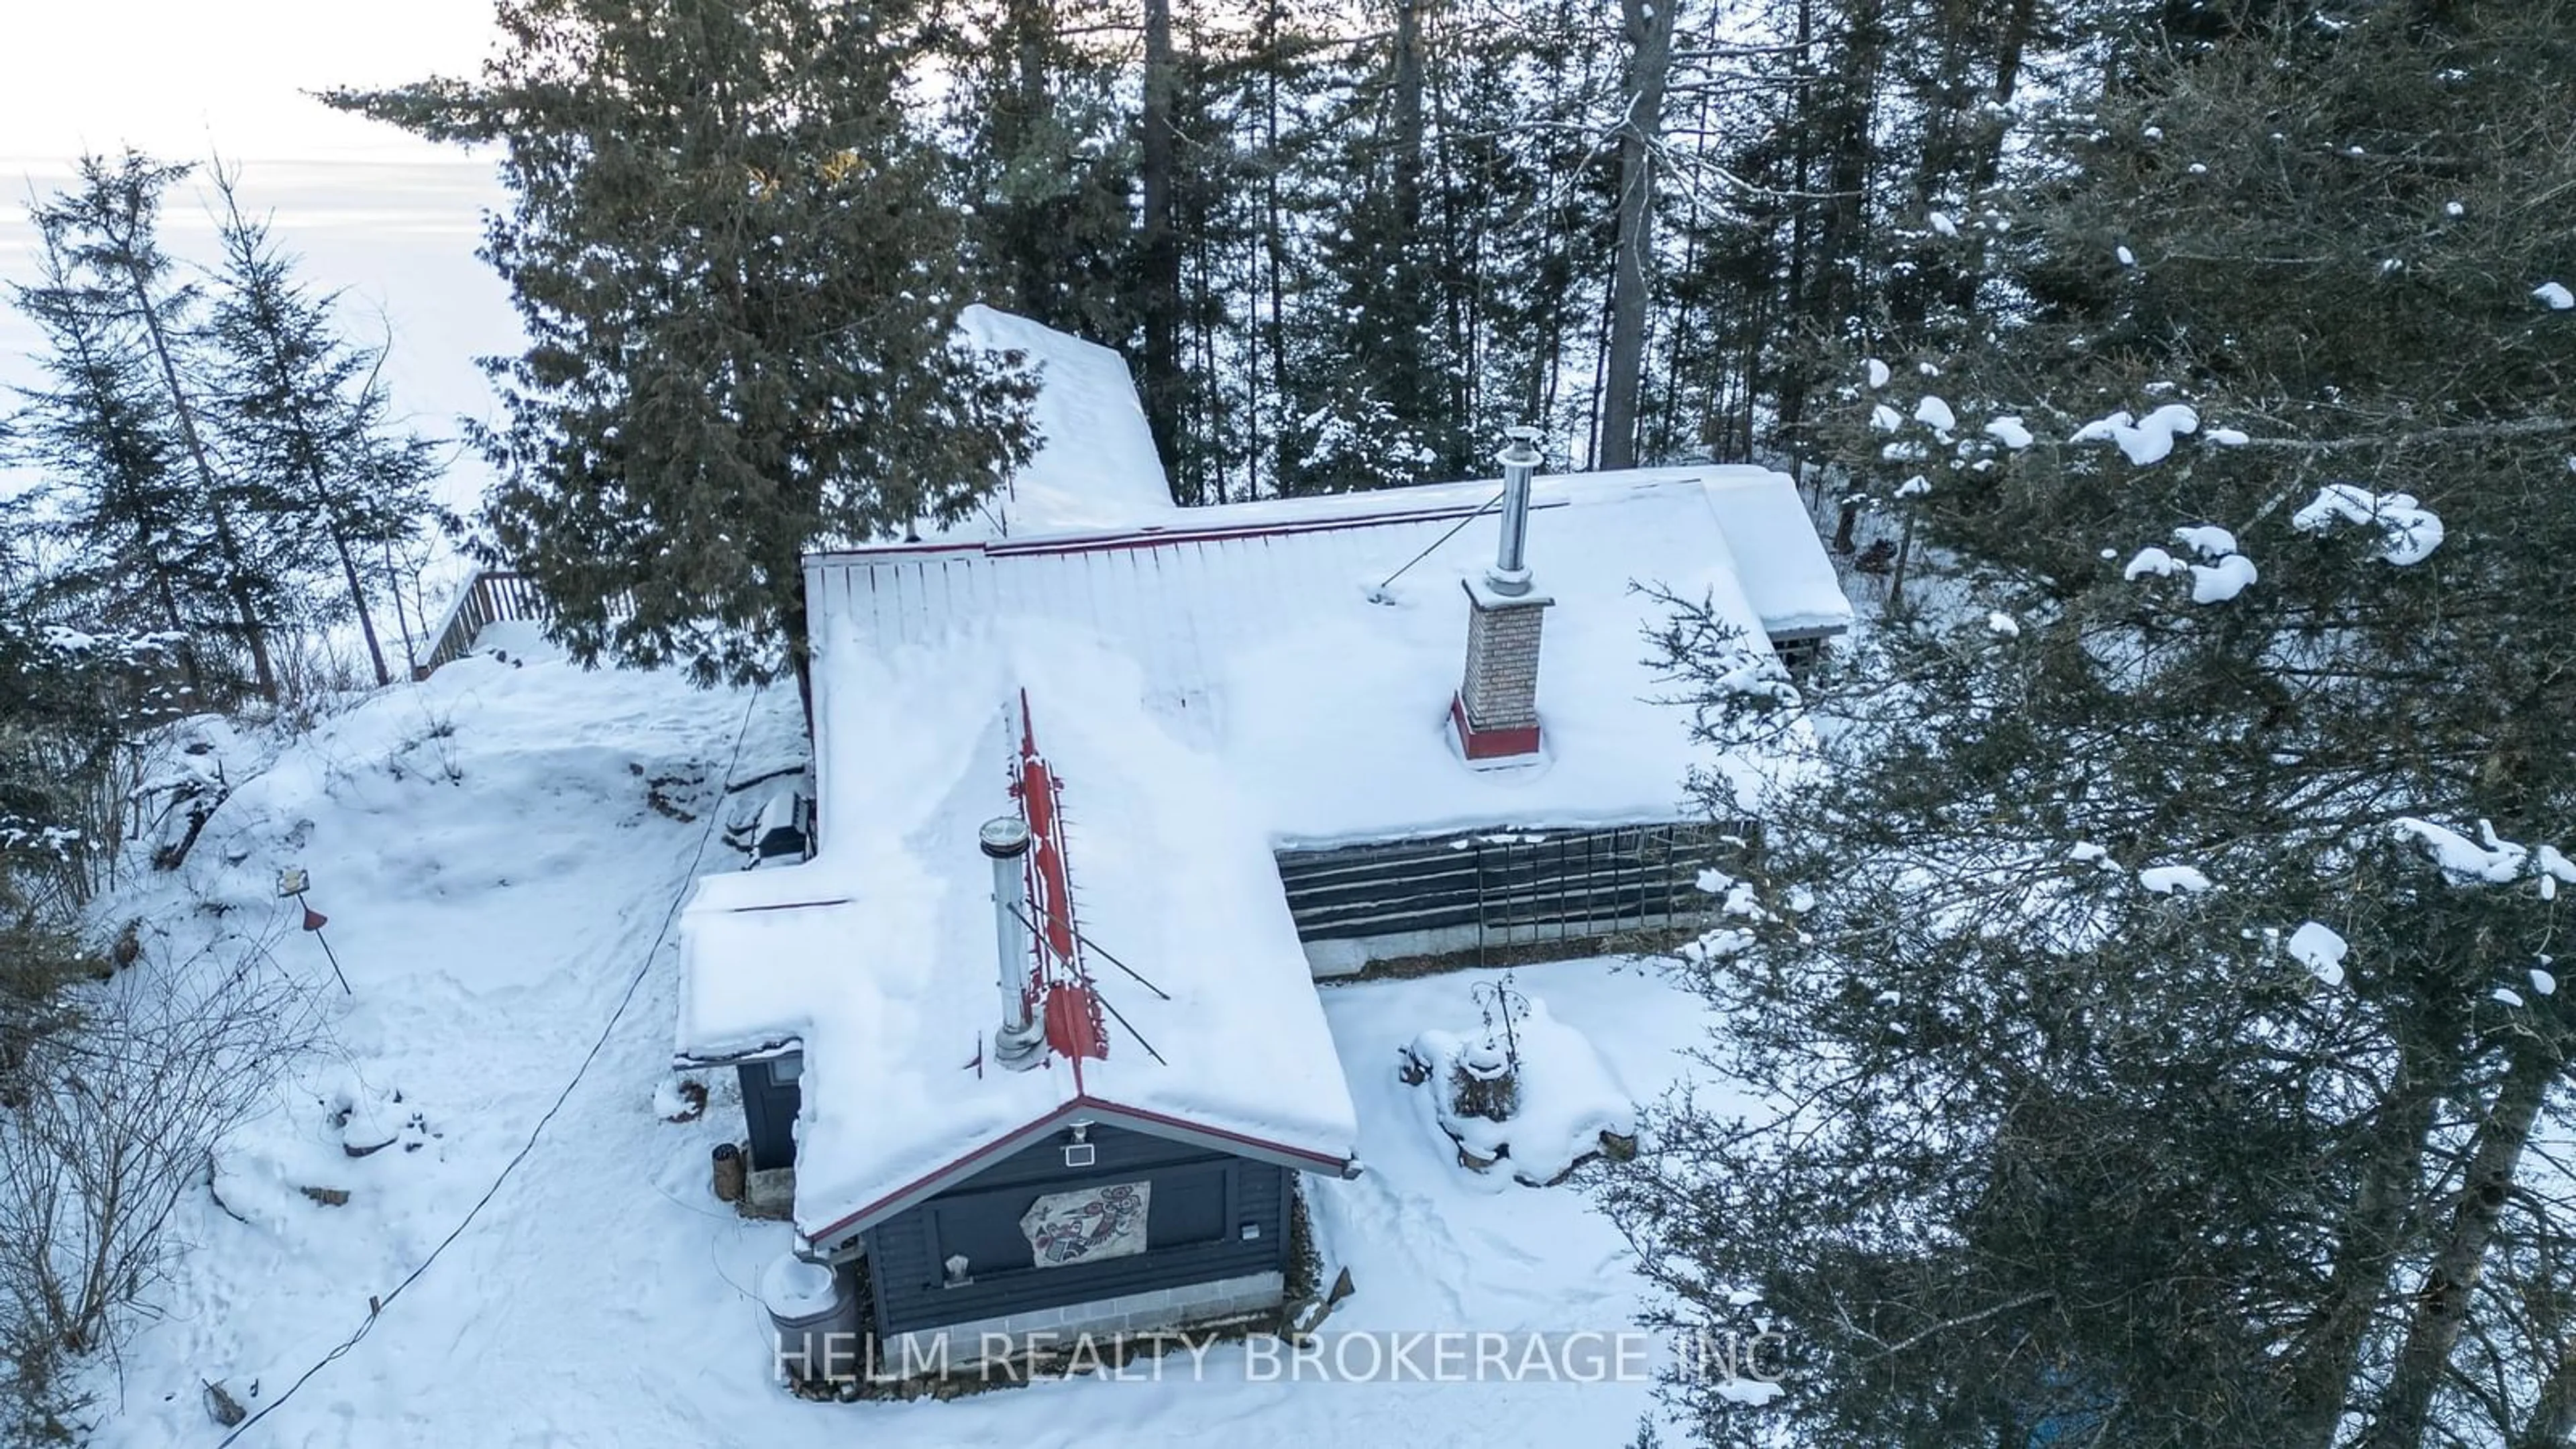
<point>1507,888</point>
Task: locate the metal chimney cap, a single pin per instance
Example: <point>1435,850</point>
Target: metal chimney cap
<point>1003,836</point>
<point>1521,446</point>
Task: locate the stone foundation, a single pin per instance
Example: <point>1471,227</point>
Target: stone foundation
<point>958,1346</point>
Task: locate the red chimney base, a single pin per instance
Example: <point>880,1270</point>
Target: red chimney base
<point>1490,744</point>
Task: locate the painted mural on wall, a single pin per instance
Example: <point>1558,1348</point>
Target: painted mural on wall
<point>1086,1225</point>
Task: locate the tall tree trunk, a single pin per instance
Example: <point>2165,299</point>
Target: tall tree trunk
<point>1158,242</point>
<point>1649,26</point>
<point>358,601</point>
<point>246,616</point>
<point>2552,1424</point>
<point>1792,381</point>
<point>1274,243</point>
<point>2442,1304</point>
<point>402,620</point>
<point>2318,1379</point>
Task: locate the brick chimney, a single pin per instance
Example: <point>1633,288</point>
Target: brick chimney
<point>1496,708</point>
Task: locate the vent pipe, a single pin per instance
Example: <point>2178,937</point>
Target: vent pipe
<point>1018,1044</point>
<point>1510,574</point>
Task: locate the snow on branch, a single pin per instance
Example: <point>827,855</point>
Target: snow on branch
<point>2146,441</point>
<point>2410,531</point>
<point>2488,860</point>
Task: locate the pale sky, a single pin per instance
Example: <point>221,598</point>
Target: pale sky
<point>389,221</point>
<point>180,77</point>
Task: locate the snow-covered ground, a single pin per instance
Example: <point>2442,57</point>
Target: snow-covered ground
<point>498,852</point>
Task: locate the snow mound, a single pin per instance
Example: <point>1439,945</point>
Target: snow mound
<point>2411,530</point>
<point>2207,540</point>
<point>791,1287</point>
<point>2152,562</point>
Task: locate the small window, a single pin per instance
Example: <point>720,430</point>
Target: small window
<point>786,1069</point>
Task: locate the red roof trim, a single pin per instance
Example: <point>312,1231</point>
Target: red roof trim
<point>1082,1102</point>
<point>1154,536</point>
<point>1011,1139</point>
<point>1320,1159</point>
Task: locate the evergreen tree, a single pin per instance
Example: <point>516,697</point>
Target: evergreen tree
<point>2077,1150</point>
<point>107,231</point>
<point>728,248</point>
<point>304,420</point>
<point>120,503</point>
<point>1045,161</point>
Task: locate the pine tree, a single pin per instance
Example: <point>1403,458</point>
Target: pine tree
<point>303,417</point>
<point>1045,161</point>
<point>729,251</point>
<point>108,230</point>
<point>2077,1151</point>
<point>121,504</point>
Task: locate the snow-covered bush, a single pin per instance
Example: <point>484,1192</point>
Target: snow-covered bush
<point>1524,1091</point>
<point>109,1125</point>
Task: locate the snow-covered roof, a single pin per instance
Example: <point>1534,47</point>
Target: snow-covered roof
<point>1209,689</point>
<point>1095,466</point>
<point>1256,639</point>
<point>879,954</point>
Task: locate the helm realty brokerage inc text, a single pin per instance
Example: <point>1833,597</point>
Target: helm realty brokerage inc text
<point>1423,1356</point>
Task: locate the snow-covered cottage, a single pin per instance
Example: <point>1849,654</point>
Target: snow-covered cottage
<point>1104,784</point>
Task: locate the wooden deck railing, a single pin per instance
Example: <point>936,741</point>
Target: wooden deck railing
<point>489,596</point>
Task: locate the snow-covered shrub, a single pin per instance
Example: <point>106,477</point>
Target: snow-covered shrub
<point>1525,1092</point>
<point>109,1125</point>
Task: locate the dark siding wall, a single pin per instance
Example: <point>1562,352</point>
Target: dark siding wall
<point>1509,887</point>
<point>769,1109</point>
<point>1201,1202</point>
